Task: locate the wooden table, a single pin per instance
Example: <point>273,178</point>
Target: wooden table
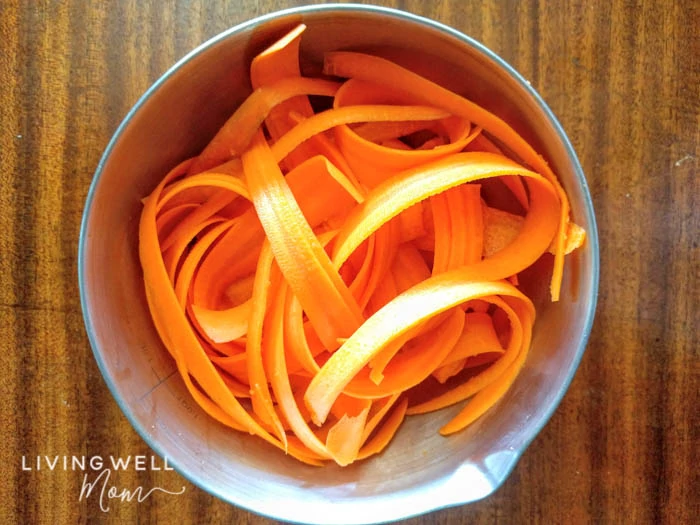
<point>624,80</point>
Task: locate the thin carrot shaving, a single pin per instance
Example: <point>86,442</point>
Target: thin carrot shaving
<point>304,263</point>
<point>332,118</point>
<point>421,355</point>
<point>383,72</point>
<point>378,409</point>
<point>366,148</point>
<point>329,150</point>
<point>478,337</point>
<point>386,432</point>
<point>309,270</point>
<point>277,62</point>
<point>239,130</point>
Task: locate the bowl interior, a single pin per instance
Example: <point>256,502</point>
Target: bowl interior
<point>421,470</point>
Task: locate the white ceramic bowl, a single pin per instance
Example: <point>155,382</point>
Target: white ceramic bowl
<point>420,471</point>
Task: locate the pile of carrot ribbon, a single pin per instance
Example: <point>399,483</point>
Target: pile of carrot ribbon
<point>312,269</point>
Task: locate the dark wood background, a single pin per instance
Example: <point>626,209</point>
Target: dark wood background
<point>623,77</point>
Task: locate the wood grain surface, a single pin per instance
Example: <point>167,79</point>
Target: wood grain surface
<point>623,77</point>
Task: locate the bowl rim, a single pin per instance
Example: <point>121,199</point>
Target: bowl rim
<point>591,239</point>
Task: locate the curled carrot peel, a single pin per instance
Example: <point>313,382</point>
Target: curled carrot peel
<point>303,261</point>
<point>279,61</point>
<point>310,271</point>
<point>239,129</point>
<point>383,72</point>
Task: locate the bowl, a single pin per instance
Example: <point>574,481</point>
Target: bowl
<point>420,471</point>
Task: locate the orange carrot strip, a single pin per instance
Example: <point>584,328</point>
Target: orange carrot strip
<point>360,280</point>
<point>328,149</point>
<point>374,162</point>
<point>521,318</point>
<point>575,237</point>
<point>194,195</point>
<point>173,256</point>
<point>471,237</point>
<point>348,405</point>
<point>212,205</point>
<point>237,388</point>
<point>235,366</point>
<point>386,239</point>
<point>217,180</point>
<point>240,291</point>
<point>238,131</point>
<point>379,442</point>
<point>478,337</point>
<point>378,363</point>
<point>332,118</point>
<point>260,394</point>
<point>339,176</point>
<point>379,409</point>
<point>500,228</point>
<point>411,186</point>
<point>279,379</point>
<point>295,332</point>
<point>443,372</point>
<point>412,366</point>
<point>193,258</point>
<point>378,132</point>
<point>170,219</point>
<point>345,437</point>
<point>201,213</point>
<point>411,222</point>
<point>443,232</point>
<point>301,258</point>
<point>374,69</point>
<point>232,257</point>
<point>409,267</point>
<point>384,292</point>
<point>295,336</point>
<point>281,60</point>
<point>496,388</point>
<point>425,300</point>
